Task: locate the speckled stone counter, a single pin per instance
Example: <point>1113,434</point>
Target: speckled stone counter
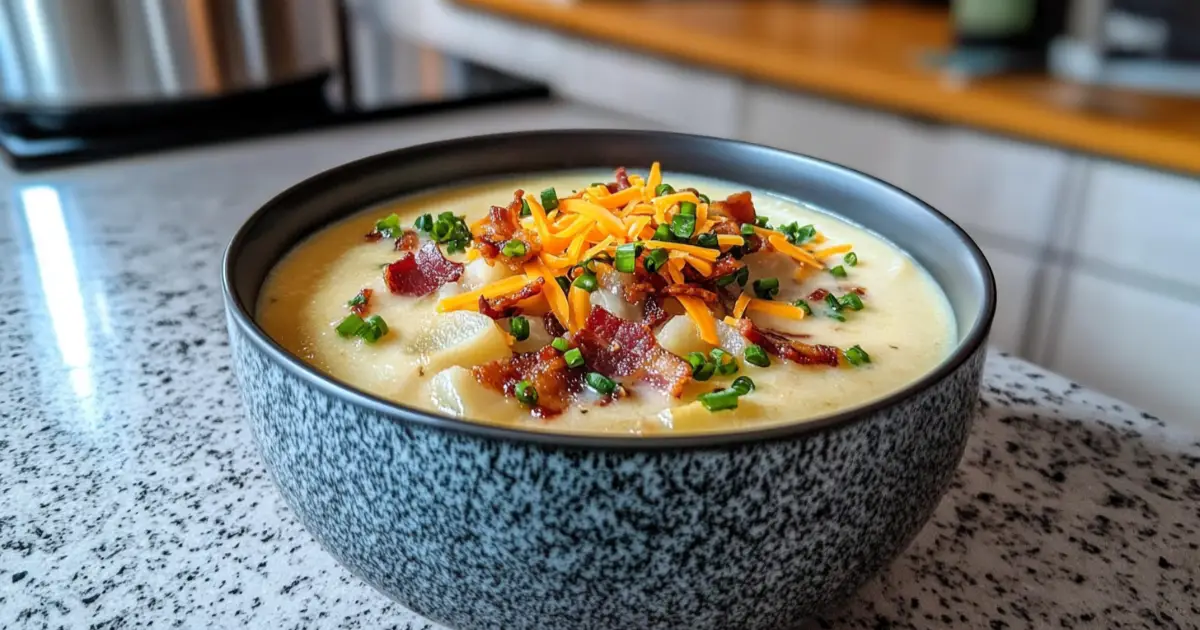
<point>131,494</point>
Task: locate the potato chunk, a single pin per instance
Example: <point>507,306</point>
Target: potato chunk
<point>679,336</point>
<point>455,392</point>
<point>463,338</point>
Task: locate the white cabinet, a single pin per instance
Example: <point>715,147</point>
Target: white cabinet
<point>872,142</point>
<point>1143,221</point>
<point>989,185</point>
<point>1139,346</point>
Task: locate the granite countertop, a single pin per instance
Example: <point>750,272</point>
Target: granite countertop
<point>131,493</point>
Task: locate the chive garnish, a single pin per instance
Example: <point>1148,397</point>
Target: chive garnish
<point>563,283</point>
<point>424,223</point>
<point>755,355</point>
<point>519,327</point>
<point>655,260</point>
<point>725,362</point>
<point>833,303</point>
<point>373,329</point>
<point>705,372</point>
<point>627,255</point>
<point>663,189</point>
<point>526,393</point>
<point>662,233</point>
<point>742,385</point>
<point>766,288</point>
<point>696,360</point>
<point>851,259</point>
<point>388,226</point>
<point>560,344</point>
<point>721,400</point>
<point>350,326</point>
<point>703,198</point>
<point>742,276</point>
<point>838,272</point>
<point>525,210</point>
<point>573,357</point>
<point>857,356</point>
<point>514,248</point>
<point>747,229</point>
<point>450,231</point>
<point>708,239</point>
<point>762,222</point>
<point>683,225</point>
<point>852,301</point>
<point>586,281</point>
<point>803,305</point>
<point>687,208</point>
<point>600,383</point>
<point>549,199</point>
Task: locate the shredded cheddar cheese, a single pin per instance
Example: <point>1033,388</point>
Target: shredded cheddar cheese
<point>779,309</point>
<point>470,299</point>
<point>698,312</point>
<point>739,307</point>
<point>833,251</point>
<point>619,199</point>
<point>605,219</point>
<point>581,305</point>
<point>702,253</point>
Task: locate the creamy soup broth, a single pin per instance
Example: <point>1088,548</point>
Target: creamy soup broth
<point>906,326</point>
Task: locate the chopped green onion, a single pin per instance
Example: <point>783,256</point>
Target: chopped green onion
<point>586,281</point>
<point>687,208</point>
<point>525,210</point>
<point>514,248</point>
<point>350,326</point>
<point>747,229</point>
<point>833,303</point>
<point>594,184</point>
<point>742,276</point>
<point>805,233</point>
<point>755,355</point>
<point>857,356</point>
<point>655,260</point>
<point>563,283</point>
<point>706,371</point>
<point>852,301</point>
<point>696,360</point>
<point>727,279</point>
<point>725,362</point>
<point>838,272</point>
<point>850,259</point>
<point>708,239</point>
<point>526,393</point>
<point>803,305</point>
<point>683,225</point>
<point>721,400</point>
<point>662,233</point>
<point>835,315</point>
<point>519,327</point>
<point>573,357</point>
<point>549,199</point>
<point>424,222</point>
<point>357,300</point>
<point>441,230</point>
<point>388,225</point>
<point>560,344</point>
<point>451,231</point>
<point>703,198</point>
<point>762,222</point>
<point>742,385</point>
<point>373,329</point>
<point>600,383</point>
<point>737,252</point>
<point>663,189</point>
<point>627,257</point>
<point>766,288</point>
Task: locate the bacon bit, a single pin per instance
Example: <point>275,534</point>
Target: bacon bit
<point>858,290</point>
<point>738,206</point>
<point>690,290</point>
<point>545,369</point>
<point>615,347</point>
<point>783,347</point>
<point>421,273</point>
<point>506,305</point>
<point>364,302</point>
<point>622,181</point>
<point>725,265</point>
<point>553,327</point>
<point>653,312</point>
<point>503,224</point>
<point>818,295</point>
<point>408,241</point>
<point>372,236</point>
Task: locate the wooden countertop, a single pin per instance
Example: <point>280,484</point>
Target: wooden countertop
<point>872,55</point>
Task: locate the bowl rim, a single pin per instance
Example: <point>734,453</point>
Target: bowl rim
<point>400,413</point>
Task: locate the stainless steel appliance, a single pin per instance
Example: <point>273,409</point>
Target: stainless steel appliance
<point>67,62</point>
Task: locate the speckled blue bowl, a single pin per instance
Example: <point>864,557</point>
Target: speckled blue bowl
<point>487,527</point>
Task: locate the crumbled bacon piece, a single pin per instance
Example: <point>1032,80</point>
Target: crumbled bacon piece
<point>818,295</point>
<point>781,346</point>
<point>616,347</point>
<point>690,289</point>
<point>506,305</point>
<point>653,312</point>
<point>545,369</point>
<point>372,236</point>
<point>501,225</point>
<point>409,241</point>
<point>738,206</point>
<point>421,273</point>
<point>724,266</point>
<point>553,327</point>
<point>752,243</point>
<point>361,302</point>
<point>858,290</point>
<point>622,181</point>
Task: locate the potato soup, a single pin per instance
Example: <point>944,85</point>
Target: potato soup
<point>644,303</point>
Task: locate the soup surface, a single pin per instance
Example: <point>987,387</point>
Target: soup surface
<point>623,307</point>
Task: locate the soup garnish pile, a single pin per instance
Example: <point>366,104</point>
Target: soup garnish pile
<point>648,305</point>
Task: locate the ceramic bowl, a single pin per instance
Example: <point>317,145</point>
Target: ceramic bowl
<point>480,526</point>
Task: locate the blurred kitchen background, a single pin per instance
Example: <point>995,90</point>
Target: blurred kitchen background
<point>1064,135</point>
